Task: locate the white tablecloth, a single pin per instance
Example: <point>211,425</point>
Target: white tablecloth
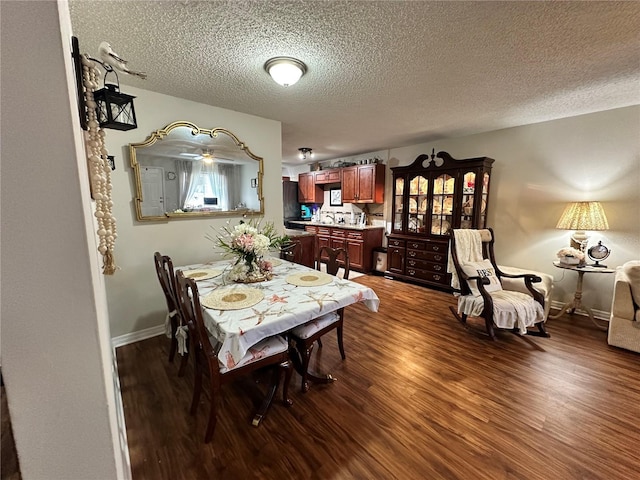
<point>284,307</point>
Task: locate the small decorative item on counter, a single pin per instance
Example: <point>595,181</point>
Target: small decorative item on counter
<point>570,256</point>
<point>248,244</point>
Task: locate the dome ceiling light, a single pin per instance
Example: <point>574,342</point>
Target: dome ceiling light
<point>285,71</point>
<point>304,152</point>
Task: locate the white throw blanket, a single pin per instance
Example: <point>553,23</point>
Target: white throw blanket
<point>468,249</point>
<point>510,309</point>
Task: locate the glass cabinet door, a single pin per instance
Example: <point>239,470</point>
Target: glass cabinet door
<point>468,193</point>
<point>418,204</point>
<point>485,198</point>
<point>444,187</point>
<point>398,204</point>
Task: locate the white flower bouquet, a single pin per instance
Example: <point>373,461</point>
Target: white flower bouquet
<point>248,243</point>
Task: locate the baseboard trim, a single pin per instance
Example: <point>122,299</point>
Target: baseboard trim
<point>599,314</point>
<point>133,337</point>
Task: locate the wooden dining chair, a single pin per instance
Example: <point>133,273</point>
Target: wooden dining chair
<point>306,335</point>
<point>289,251</point>
<point>166,277</point>
<point>270,352</point>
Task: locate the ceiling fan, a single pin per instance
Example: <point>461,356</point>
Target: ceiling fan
<point>206,155</point>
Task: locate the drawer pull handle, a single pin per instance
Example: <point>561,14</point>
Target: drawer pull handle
<point>412,254</point>
<point>412,263</point>
<point>415,245</point>
<point>437,267</point>
<point>436,248</point>
<point>437,257</point>
<point>437,277</point>
<point>411,272</point>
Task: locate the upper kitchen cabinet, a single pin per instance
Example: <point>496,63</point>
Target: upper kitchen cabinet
<point>363,184</point>
<point>308,190</point>
<point>325,177</point>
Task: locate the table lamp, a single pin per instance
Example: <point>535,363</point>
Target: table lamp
<point>581,216</point>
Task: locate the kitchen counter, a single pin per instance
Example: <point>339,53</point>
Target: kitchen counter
<point>291,232</point>
<point>335,225</point>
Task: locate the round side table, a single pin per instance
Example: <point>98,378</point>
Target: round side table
<point>576,302</point>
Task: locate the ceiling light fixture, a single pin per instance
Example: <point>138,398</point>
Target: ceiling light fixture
<point>304,151</point>
<point>285,70</point>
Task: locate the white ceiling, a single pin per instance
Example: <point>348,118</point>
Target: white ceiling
<point>381,74</point>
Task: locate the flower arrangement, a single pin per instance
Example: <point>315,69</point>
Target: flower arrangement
<point>248,242</point>
<point>570,255</point>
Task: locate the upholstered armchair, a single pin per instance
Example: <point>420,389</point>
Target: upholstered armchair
<point>624,323</point>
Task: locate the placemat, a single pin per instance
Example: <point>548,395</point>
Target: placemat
<point>232,298</point>
<point>309,279</point>
<point>275,262</point>
<point>202,273</point>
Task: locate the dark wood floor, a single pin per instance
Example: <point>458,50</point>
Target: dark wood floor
<point>419,397</point>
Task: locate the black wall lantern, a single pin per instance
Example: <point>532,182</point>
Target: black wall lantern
<point>114,109</point>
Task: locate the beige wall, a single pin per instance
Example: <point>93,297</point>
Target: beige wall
<point>56,349</point>
<point>538,169</point>
<point>134,296</point>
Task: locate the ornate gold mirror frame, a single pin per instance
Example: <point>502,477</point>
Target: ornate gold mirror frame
<point>180,159</point>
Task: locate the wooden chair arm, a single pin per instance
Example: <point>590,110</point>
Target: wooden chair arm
<point>533,278</point>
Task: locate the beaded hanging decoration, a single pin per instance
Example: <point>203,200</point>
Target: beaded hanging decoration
<point>99,170</point>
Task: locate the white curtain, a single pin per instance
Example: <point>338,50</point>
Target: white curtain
<point>185,180</point>
<point>194,184</point>
<point>232,178</point>
<point>219,186</point>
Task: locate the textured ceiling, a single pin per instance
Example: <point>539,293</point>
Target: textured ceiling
<point>381,74</point>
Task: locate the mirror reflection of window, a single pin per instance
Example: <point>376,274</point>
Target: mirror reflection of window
<point>217,180</point>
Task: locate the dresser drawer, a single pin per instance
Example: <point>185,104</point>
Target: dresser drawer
<point>415,245</point>
<point>394,242</point>
<point>338,233</point>
<point>425,265</point>
<point>419,254</point>
<point>323,231</point>
<point>311,229</point>
<point>353,235</point>
<point>436,247</point>
<point>440,278</point>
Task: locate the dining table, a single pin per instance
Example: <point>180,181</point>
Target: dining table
<point>239,315</point>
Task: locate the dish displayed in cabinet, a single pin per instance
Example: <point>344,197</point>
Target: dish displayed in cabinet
<point>418,186</point>
<point>440,227</point>
<point>448,205</point>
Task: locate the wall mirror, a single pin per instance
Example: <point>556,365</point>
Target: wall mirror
<point>184,171</point>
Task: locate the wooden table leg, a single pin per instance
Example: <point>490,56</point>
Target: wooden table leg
<point>576,304</point>
<point>312,376</point>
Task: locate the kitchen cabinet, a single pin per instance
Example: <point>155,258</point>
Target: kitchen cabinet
<point>323,177</point>
<point>430,197</point>
<point>308,191</point>
<point>359,243</point>
<point>363,184</point>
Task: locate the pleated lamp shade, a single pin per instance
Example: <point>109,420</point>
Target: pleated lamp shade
<point>583,216</point>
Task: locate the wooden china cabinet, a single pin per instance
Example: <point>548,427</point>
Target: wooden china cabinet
<point>430,197</point>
